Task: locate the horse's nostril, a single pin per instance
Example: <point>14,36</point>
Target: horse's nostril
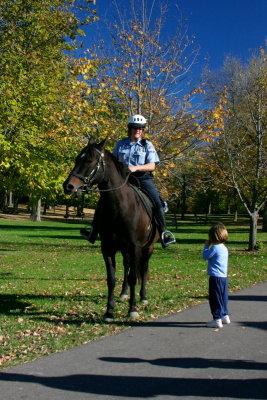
<point>68,187</point>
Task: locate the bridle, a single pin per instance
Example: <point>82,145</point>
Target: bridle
<point>87,179</point>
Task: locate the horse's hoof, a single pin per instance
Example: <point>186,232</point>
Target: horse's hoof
<point>133,315</point>
<point>124,296</point>
<point>144,302</point>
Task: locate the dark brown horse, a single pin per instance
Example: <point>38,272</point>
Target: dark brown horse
<point>123,222</point>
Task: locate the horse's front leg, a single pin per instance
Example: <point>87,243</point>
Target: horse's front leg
<point>146,254</point>
<point>124,289</point>
<point>111,280</point>
<point>135,259</point>
<point>143,297</point>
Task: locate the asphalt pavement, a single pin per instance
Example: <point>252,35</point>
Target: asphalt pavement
<point>175,357</point>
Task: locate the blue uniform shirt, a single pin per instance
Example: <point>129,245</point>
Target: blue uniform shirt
<point>135,153</point>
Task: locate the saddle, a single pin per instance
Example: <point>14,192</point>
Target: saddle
<point>145,198</point>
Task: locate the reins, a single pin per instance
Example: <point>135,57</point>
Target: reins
<point>108,190</point>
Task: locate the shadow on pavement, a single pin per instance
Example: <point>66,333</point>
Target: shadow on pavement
<point>192,363</point>
<point>136,387</point>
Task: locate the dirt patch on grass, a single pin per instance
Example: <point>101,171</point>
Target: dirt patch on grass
<point>57,213</point>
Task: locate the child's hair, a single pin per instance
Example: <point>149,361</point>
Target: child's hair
<point>218,234</point>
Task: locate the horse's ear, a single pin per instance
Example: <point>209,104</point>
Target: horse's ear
<point>91,140</point>
<point>101,145</point>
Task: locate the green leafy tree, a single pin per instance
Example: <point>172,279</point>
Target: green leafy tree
<point>238,125</point>
<point>39,119</point>
<point>145,71</point>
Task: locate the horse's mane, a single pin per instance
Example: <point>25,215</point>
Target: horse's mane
<point>119,166</point>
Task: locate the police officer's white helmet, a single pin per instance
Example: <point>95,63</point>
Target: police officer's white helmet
<point>137,121</point>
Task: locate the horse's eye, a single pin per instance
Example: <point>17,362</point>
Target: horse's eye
<point>82,157</point>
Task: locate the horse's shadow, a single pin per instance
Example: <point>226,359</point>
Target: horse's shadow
<point>190,363</point>
<point>144,386</point>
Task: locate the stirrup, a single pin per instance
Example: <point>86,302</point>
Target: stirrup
<point>167,238</point>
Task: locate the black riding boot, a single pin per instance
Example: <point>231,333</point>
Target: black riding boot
<point>91,235</point>
<point>166,237</point>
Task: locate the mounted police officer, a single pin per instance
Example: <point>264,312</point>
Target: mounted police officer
<point>140,158</point>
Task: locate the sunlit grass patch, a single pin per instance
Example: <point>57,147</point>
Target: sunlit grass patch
<point>53,283</point>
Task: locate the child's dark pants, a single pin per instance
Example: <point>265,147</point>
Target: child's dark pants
<point>218,296</point>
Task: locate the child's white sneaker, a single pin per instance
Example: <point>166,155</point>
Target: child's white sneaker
<point>215,323</point>
<point>226,320</point>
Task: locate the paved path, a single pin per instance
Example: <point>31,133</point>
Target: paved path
<point>174,357</point>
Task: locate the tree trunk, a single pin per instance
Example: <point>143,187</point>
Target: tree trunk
<point>15,205</point>
<point>209,208</point>
<point>5,207</point>
<point>264,220</point>
<point>36,210</point>
<point>183,199</point>
<point>253,230</point>
<point>45,207</point>
<point>67,211</point>
<point>80,207</point>
<point>10,200</point>
<point>235,217</point>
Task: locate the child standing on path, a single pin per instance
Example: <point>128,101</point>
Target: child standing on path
<point>217,255</point>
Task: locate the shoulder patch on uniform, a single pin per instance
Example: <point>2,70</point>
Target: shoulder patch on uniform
<point>143,142</point>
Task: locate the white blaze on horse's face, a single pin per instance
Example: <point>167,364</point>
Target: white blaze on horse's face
<point>75,181</point>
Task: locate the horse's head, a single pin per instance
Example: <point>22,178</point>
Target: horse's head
<point>88,170</point>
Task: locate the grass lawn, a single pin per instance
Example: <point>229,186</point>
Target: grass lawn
<point>53,283</point>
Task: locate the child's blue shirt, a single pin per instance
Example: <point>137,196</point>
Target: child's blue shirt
<point>217,256</point>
